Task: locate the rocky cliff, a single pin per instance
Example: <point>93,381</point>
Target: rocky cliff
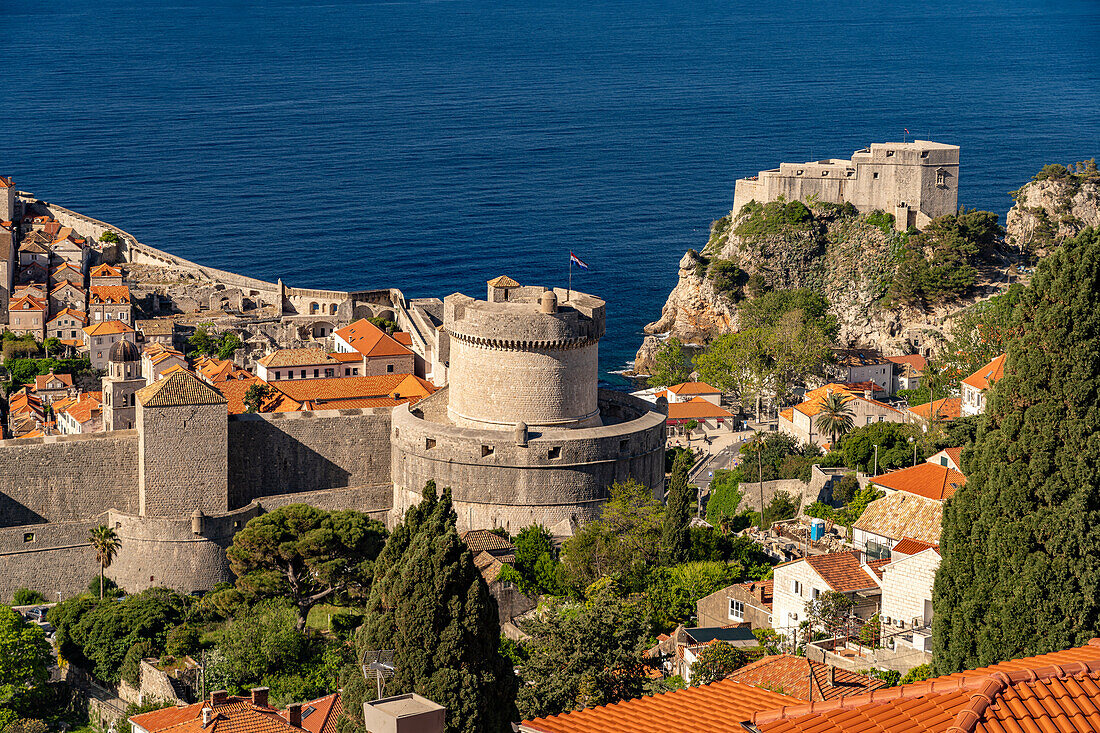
<point>848,257</point>
<point>1053,208</point>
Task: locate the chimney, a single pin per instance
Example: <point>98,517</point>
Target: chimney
<point>207,716</point>
<point>259,696</point>
<point>868,394</point>
<point>218,698</point>
<point>758,591</point>
<point>294,711</point>
<point>832,676</point>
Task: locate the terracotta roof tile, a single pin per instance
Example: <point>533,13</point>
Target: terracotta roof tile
<point>842,571</point>
<point>296,357</point>
<point>482,539</point>
<point>236,715</point>
<point>696,408</point>
<point>988,374</point>
<point>503,281</point>
<point>28,303</point>
<point>105,270</point>
<point>42,380</point>
<point>234,391</point>
<point>815,399</point>
<point>929,480</point>
<point>396,386</point>
<point>902,514</point>
<point>693,388</point>
<point>78,315</point>
<point>101,294</point>
<point>371,341</point>
<point>715,708</point>
<point>918,362</point>
<point>949,408</point>
<point>910,546</point>
<point>802,678</point>
<point>107,328</point>
<point>319,716</point>
<point>182,388</point>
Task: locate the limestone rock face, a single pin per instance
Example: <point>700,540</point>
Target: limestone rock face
<point>1050,211</point>
<point>695,311</point>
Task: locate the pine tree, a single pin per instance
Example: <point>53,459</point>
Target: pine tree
<point>431,606</point>
<point>1021,540</point>
<point>679,503</point>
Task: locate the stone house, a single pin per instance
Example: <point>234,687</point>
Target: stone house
<point>80,415</point>
<point>65,271</point>
<point>940,411</point>
<point>51,387</point>
<point>692,390</point>
<point>801,581</point>
<point>70,248</point>
<point>973,389</point>
<point>64,295</point>
<point>33,273</point>
<point>949,457</point>
<point>740,603</point>
<point>157,359</point>
<point>887,521</point>
<point>907,371</point>
<point>110,303</point>
<point>492,553</point>
<point>382,353</point>
<point>799,420</point>
<point>907,589</point>
<point>34,250</point>
<point>68,325</point>
<point>37,290</point>
<point>157,331</point>
<point>27,314</point>
<point>297,364</point>
<point>105,275</point>
<point>860,367</point>
<point>100,337</point>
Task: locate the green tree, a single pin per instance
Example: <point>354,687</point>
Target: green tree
<point>830,612</point>
<point>261,641</point>
<point>109,237</point>
<point>857,448</point>
<point>105,543</point>
<point>584,655</point>
<point>919,673</point>
<point>725,498</point>
<point>624,543</point>
<point>200,342</point>
<point>256,395</point>
<point>24,657</point>
<point>431,606</point>
<point>230,343</point>
<point>307,555</point>
<point>679,508</point>
<point>27,597</point>
<point>535,560</point>
<point>671,592</point>
<point>1021,539</point>
<point>716,662</point>
<point>836,416</point>
<point>669,365</point>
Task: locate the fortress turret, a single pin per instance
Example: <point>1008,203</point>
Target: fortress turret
<point>526,354</point>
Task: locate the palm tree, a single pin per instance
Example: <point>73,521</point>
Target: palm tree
<point>105,542</point>
<point>835,417</point>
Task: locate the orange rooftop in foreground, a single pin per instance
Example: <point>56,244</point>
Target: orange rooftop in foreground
<point>224,713</point>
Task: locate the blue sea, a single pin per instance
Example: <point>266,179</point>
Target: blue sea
<point>433,145</point>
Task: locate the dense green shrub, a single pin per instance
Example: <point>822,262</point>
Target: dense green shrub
<point>27,597</point>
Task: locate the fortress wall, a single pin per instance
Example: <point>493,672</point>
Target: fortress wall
<point>182,459</point>
<point>47,558</point>
<point>559,475</point>
<point>273,454</point>
<point>165,551</point>
<point>63,478</point>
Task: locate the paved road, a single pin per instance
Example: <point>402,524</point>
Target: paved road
<point>720,461</point>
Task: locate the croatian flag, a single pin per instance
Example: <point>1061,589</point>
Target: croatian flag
<point>573,259</point>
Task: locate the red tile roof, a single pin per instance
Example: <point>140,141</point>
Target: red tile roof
<point>482,539</point>
<point>696,408</point>
<point>816,398</point>
<point>319,716</point>
<point>916,361</point>
<point>955,454</point>
<point>321,391</point>
<point>949,408</point>
<point>929,480</point>
<point>693,388</point>
<point>78,315</point>
<point>235,715</point>
<point>107,327</point>
<point>988,374</point>
<point>842,571</point>
<point>234,391</point>
<point>105,270</point>
<point>109,294</point>
<point>42,380</point>
<point>910,546</point>
<point>27,303</point>
<point>371,341</point>
<point>802,678</point>
<point>1050,693</point>
<point>715,708</point>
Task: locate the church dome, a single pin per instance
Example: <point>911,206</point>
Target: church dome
<point>124,351</point>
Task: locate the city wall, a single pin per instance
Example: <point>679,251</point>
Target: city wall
<point>272,454</point>
<point>64,478</point>
<point>49,558</point>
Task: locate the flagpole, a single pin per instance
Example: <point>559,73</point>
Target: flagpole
<point>569,292</point>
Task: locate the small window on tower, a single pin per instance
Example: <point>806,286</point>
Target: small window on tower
<point>941,177</point>
<point>486,450</point>
<point>554,452</point>
<point>28,536</point>
<point>429,443</point>
<point>874,175</point>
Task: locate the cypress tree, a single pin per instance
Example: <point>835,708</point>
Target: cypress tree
<point>1021,540</point>
<point>430,605</point>
<point>679,504</point>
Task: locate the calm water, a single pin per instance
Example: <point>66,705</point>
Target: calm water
<point>433,145</point>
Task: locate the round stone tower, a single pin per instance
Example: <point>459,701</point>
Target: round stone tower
<point>525,354</point>
<point>522,434</point>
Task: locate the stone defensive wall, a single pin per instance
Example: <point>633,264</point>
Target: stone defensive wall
<point>512,478</point>
<point>65,478</point>
<point>273,454</point>
<point>51,558</point>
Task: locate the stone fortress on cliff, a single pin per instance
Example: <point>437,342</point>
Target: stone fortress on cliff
<point>915,181</point>
<point>520,432</point>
